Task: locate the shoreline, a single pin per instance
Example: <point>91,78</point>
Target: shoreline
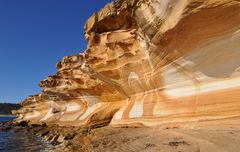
<point>18,137</point>
<point>107,138</point>
<point>2,115</point>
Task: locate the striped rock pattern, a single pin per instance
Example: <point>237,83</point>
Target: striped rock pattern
<point>148,63</point>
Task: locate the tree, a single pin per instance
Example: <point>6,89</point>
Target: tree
<point>6,108</point>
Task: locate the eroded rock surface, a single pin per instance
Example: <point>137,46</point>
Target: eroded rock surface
<point>147,63</point>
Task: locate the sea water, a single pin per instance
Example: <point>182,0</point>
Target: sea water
<point>19,141</point>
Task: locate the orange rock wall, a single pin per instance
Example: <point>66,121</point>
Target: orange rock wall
<point>148,63</point>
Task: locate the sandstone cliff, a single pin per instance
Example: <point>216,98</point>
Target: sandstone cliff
<point>148,63</point>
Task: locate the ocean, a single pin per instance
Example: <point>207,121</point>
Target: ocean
<point>5,119</point>
<point>20,141</point>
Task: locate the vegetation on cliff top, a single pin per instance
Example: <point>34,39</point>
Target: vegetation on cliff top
<point>6,108</point>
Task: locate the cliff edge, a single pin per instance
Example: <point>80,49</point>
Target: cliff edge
<point>148,63</point>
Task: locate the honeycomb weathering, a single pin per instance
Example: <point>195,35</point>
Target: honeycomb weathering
<point>148,63</point>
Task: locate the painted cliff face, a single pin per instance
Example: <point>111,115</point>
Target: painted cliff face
<point>148,63</point>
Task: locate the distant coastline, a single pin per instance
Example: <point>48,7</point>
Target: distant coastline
<point>1,115</point>
<point>7,108</point>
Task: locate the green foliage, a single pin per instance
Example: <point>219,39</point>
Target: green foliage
<point>6,108</point>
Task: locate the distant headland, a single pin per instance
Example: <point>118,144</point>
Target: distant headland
<point>6,108</point>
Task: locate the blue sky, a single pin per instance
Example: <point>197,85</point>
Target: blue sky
<point>34,36</point>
